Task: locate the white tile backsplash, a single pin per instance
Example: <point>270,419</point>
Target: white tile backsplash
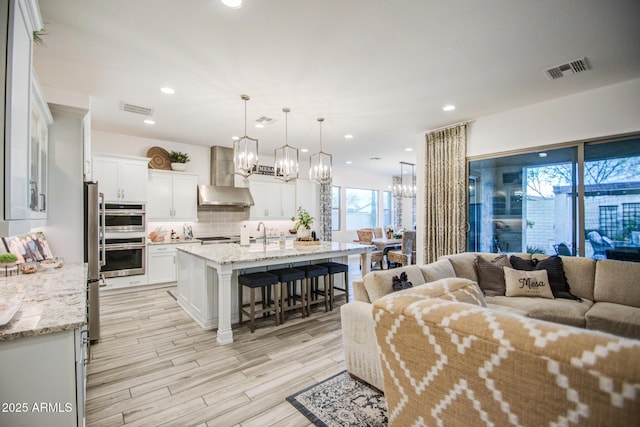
<point>222,221</point>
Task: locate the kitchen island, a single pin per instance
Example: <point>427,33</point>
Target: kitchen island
<point>208,275</point>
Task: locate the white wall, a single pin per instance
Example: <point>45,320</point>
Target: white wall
<point>345,177</point>
<point>65,216</point>
<point>607,111</point>
<point>596,113</point>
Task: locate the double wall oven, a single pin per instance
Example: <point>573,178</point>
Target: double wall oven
<point>124,249</point>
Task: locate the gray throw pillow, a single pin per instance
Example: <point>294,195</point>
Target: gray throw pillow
<point>491,274</point>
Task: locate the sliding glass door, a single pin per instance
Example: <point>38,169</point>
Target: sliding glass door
<point>530,202</point>
<point>523,203</point>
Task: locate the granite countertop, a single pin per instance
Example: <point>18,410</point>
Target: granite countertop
<point>234,253</point>
<point>174,242</point>
<point>52,301</point>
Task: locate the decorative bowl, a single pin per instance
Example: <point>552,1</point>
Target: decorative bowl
<point>29,267</point>
<point>49,264</point>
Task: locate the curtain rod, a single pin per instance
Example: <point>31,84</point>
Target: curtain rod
<point>449,126</point>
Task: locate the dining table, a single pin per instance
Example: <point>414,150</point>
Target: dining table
<point>383,243</point>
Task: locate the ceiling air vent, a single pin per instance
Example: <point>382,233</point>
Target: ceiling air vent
<point>131,108</point>
<point>577,66</point>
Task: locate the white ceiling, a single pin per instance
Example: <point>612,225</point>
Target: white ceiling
<point>378,69</point>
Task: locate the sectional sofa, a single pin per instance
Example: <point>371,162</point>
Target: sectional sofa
<point>608,292</point>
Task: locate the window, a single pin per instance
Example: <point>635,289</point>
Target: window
<point>362,208</point>
<point>335,208</point>
<point>386,206</point>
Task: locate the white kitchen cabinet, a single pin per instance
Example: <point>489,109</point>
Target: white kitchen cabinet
<point>162,262</point>
<point>121,179</point>
<point>272,200</point>
<point>19,17</point>
<point>47,378</point>
<point>308,196</point>
<point>172,196</point>
<point>41,118</point>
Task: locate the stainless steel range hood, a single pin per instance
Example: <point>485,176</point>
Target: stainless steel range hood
<point>222,192</point>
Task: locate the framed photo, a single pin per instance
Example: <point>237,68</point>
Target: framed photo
<point>28,247</point>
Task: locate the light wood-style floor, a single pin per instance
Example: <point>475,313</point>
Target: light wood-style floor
<point>154,366</point>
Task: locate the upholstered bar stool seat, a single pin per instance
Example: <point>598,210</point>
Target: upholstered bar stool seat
<point>290,299</point>
<point>259,280</point>
<point>314,294</point>
<point>337,268</point>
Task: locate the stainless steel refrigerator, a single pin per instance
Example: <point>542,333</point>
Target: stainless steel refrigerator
<point>93,254</point>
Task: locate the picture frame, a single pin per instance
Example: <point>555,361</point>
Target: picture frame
<point>28,247</point>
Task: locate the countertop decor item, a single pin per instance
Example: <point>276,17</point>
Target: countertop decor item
<point>8,260</point>
<point>159,158</point>
<point>302,223</point>
<point>178,160</point>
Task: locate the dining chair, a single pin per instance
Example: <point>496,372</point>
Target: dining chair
<point>365,237</point>
<point>407,253</point>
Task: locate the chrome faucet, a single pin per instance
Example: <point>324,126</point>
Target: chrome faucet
<point>264,233</point>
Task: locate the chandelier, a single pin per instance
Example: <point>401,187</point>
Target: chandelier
<point>286,166</point>
<point>245,149</point>
<point>320,170</point>
<point>406,186</point>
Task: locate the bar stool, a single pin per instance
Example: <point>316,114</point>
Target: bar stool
<point>253,281</point>
<point>288,278</point>
<point>336,268</point>
<point>312,273</point>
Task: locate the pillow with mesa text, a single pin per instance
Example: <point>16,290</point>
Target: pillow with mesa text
<point>555,272</point>
<point>490,274</point>
<point>523,283</point>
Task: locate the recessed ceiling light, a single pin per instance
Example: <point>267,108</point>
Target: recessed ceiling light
<point>235,138</point>
<point>348,136</point>
<point>348,162</point>
<point>259,125</point>
<point>408,149</point>
<point>167,90</point>
<point>449,107</point>
<point>234,4</point>
<point>149,122</point>
<point>304,150</point>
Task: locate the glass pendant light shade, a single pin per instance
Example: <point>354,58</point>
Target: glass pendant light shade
<point>245,150</point>
<point>287,159</point>
<point>406,185</point>
<point>320,164</point>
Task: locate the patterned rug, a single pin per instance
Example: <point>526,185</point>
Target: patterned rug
<point>341,401</point>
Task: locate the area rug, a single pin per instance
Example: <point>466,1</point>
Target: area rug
<point>341,401</point>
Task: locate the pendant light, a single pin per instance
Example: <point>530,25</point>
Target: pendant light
<point>245,150</point>
<point>320,163</point>
<point>287,164</point>
<point>406,187</point>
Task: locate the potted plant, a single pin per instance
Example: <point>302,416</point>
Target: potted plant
<point>302,223</point>
<point>8,260</point>
<point>178,160</point>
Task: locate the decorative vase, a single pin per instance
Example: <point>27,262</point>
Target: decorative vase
<point>304,232</point>
<point>179,167</point>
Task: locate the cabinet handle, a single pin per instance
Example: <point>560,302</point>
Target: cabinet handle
<point>123,193</point>
<point>43,205</point>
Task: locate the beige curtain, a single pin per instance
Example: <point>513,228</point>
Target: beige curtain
<point>445,192</point>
